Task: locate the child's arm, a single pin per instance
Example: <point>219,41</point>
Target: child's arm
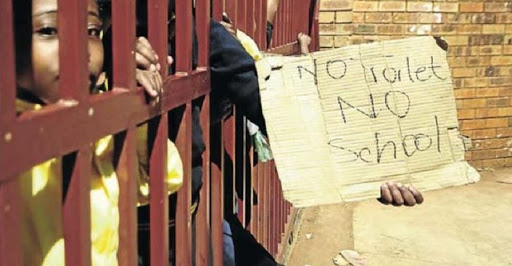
<point>272,6</point>
<point>304,40</point>
<point>398,194</point>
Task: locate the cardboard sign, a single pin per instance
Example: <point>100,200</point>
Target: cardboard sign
<point>342,122</point>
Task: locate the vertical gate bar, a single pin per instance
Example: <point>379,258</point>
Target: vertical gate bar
<point>228,137</point>
<point>126,173</point>
<point>275,223</point>
<point>230,7</point>
<point>73,57</point>
<point>272,212</point>
<point>288,31</point>
<point>280,216</point>
<point>10,220</point>
<point>275,33</point>
<point>251,190</point>
<point>217,9</point>
<point>262,205</point>
<point>255,229</point>
<point>287,20</point>
<point>239,164</point>
<point>10,214</point>
<point>305,11</point>
<point>203,212</point>
<point>217,193</point>
<point>292,33</point>
<point>76,211</point>
<point>184,36</point>
<point>243,159</point>
<point>159,203</point>
<point>123,36</point>
<point>293,19</point>
<point>270,192</point>
<point>277,28</point>
<point>275,226</point>
<point>282,10</point>
<point>279,212</point>
<point>73,84</point>
<point>203,236</point>
<point>183,215</point>
<point>7,69</point>
<point>286,25</point>
<point>261,24</point>
<point>282,212</point>
<point>257,20</point>
<point>203,32</point>
<point>282,24</point>
<point>267,203</point>
<point>271,226</point>
<point>250,19</point>
<point>241,13</point>
<point>314,30</point>
<point>264,23</point>
<point>261,202</point>
<point>284,217</point>
<point>157,33</point>
<point>293,26</point>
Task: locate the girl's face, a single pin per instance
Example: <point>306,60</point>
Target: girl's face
<point>41,77</point>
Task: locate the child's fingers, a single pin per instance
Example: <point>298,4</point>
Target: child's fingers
<point>228,27</point>
<point>409,199</point>
<point>159,83</point>
<point>143,47</point>
<point>385,195</point>
<point>143,40</point>
<point>146,81</point>
<point>225,18</point>
<point>155,91</point>
<point>170,60</point>
<point>398,200</point>
<point>143,62</point>
<point>417,195</point>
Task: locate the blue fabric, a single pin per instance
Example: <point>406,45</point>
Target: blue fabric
<point>229,247</point>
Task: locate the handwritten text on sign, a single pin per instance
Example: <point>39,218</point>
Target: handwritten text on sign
<point>369,113</point>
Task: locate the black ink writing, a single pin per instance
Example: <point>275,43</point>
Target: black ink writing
<point>410,143</point>
<point>400,99</point>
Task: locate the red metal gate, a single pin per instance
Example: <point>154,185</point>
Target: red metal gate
<point>71,125</point>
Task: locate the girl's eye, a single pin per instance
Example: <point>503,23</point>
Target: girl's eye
<point>48,31</point>
<point>94,32</point>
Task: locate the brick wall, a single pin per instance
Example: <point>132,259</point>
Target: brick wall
<point>480,55</point>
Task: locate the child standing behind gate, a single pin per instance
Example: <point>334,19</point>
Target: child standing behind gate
<point>37,69</point>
